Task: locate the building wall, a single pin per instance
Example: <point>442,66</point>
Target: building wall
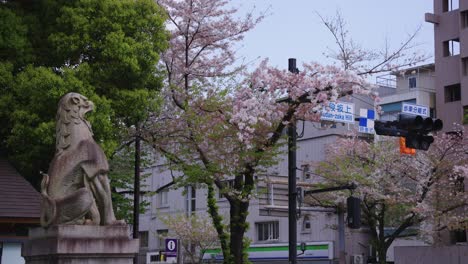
<point>449,69</point>
<point>431,255</point>
<point>424,76</point>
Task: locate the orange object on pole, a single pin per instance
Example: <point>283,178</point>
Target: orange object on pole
<point>404,149</point>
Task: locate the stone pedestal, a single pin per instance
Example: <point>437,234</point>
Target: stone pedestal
<point>80,244</point>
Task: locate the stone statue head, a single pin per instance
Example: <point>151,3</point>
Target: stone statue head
<point>71,120</point>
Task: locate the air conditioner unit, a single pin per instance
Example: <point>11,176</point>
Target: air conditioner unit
<point>357,259</point>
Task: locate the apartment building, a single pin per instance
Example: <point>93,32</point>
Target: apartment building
<point>450,19</point>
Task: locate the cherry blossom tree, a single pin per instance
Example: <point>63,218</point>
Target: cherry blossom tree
<point>353,56</point>
<point>214,131</point>
<point>196,234</point>
<point>400,191</point>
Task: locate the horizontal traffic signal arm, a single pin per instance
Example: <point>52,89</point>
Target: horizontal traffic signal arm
<point>389,128</point>
<point>413,128</point>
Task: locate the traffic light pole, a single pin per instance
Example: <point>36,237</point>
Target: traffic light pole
<point>292,190</point>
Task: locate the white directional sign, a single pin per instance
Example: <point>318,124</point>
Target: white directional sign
<point>338,112</point>
<point>414,109</point>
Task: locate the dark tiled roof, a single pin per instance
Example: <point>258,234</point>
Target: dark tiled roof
<point>18,199</point>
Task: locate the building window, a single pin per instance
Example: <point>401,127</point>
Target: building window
<point>267,231</point>
<point>452,93</point>
<point>464,19</point>
<point>458,236</point>
<point>306,223</point>
<point>162,198</point>
<point>143,238</point>
<point>450,5</point>
<point>465,66</point>
<point>306,174</point>
<point>412,82</point>
<point>190,199</point>
<point>162,234</point>
<point>451,47</point>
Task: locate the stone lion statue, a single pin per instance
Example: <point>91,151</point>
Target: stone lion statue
<point>76,188</point>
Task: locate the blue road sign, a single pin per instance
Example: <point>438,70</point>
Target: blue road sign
<point>171,247</point>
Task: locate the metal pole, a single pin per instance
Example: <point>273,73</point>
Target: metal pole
<point>341,235</point>
<point>136,194</point>
<point>292,138</point>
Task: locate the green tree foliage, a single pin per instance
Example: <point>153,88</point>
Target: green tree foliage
<point>14,44</point>
<point>122,175</point>
<point>106,50</point>
<point>31,101</point>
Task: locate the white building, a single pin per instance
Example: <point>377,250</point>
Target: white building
<point>414,85</point>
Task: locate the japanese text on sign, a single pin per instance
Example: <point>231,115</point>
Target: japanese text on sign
<point>415,109</point>
<point>368,130</point>
<point>338,112</point>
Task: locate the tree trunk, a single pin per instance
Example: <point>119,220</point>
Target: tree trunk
<point>382,255</point>
<point>218,223</point>
<point>238,226</point>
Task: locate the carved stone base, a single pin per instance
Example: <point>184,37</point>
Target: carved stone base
<point>80,244</point>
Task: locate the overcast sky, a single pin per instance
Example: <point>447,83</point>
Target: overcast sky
<point>293,29</point>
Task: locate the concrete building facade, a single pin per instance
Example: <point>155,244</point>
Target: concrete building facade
<point>450,19</point>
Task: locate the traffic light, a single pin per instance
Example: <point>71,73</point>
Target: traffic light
<point>404,149</point>
<point>413,128</point>
<point>354,212</point>
<point>418,129</point>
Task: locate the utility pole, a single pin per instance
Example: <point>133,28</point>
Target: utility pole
<point>341,235</point>
<point>136,192</point>
<point>292,190</point>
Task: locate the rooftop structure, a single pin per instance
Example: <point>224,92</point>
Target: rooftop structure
<point>19,209</point>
